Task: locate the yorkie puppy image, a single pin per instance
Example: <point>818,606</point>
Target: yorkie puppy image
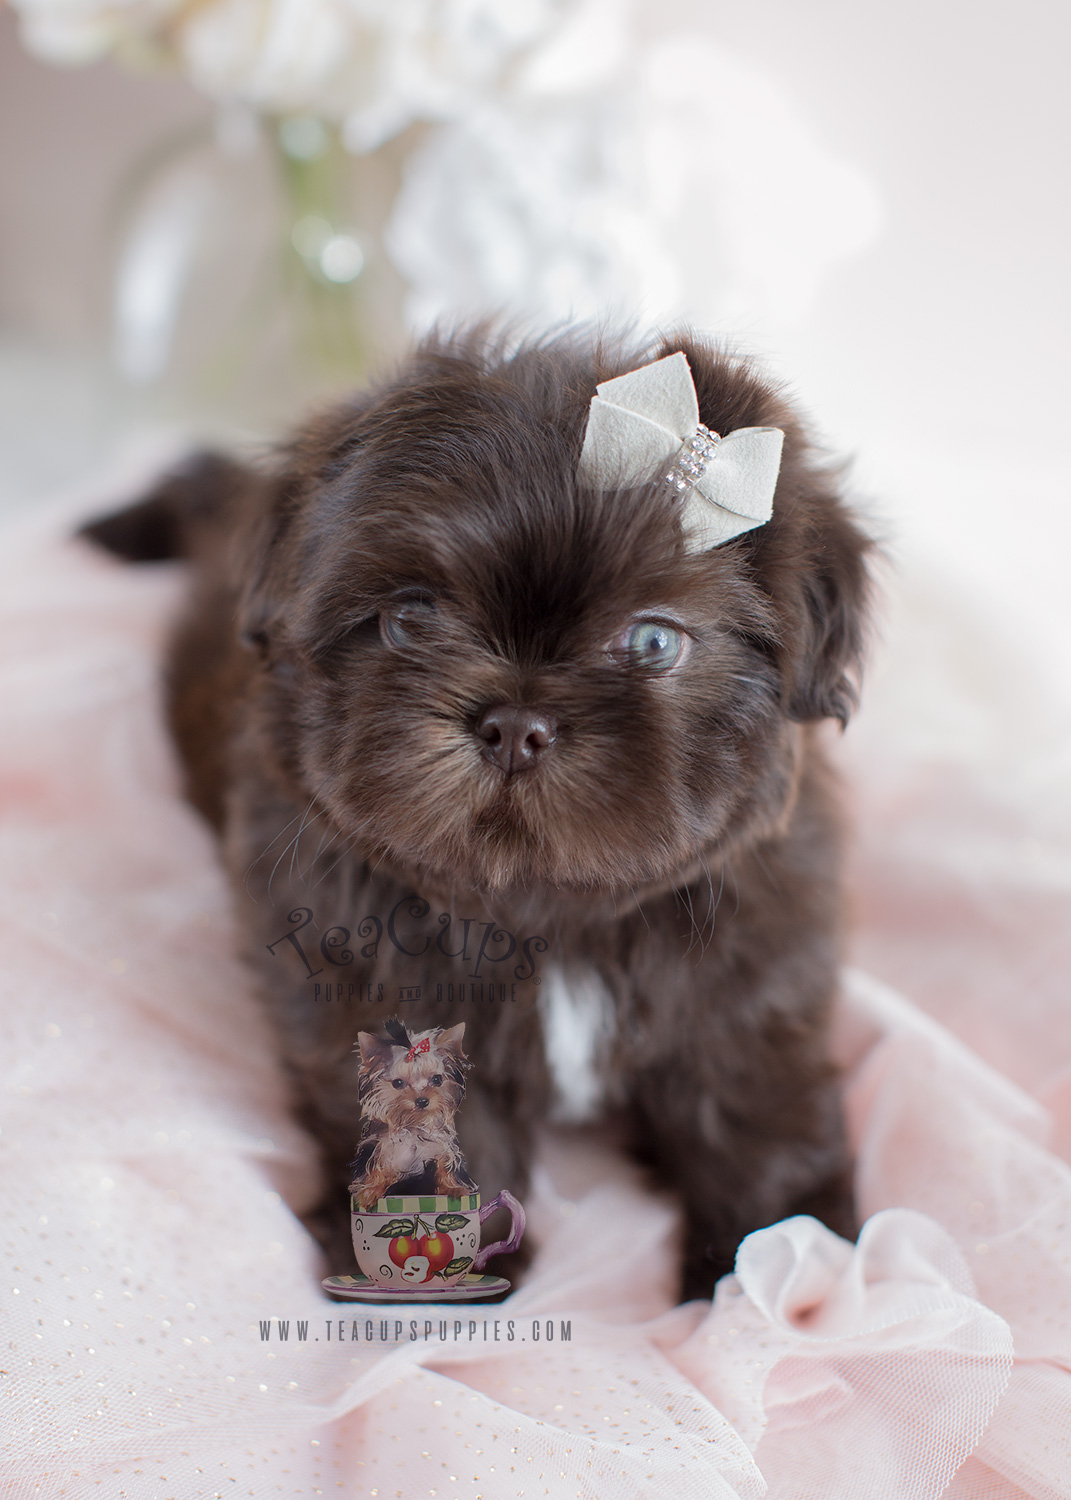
<point>539,638</point>
<point>409,1088</point>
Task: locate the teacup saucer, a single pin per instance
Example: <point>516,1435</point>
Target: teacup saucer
<point>362,1290</point>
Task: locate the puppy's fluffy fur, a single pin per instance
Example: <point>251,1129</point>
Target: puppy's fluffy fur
<point>423,553</point>
<point>410,1086</point>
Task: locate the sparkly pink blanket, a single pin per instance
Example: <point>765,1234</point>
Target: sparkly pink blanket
<point>163,1328</point>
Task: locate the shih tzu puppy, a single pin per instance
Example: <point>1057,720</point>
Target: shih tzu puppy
<point>409,1086</point>
<point>522,655</point>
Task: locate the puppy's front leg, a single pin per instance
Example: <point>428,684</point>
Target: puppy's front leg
<point>371,1187</point>
<point>496,1129</point>
<point>450,1184</point>
<point>496,1142</point>
<point>742,1153</point>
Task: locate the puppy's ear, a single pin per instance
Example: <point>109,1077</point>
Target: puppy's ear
<point>810,559</point>
<point>369,1045</point>
<point>260,565</point>
<point>184,513</point>
<point>825,613</point>
<point>451,1039</point>
<point>267,562</point>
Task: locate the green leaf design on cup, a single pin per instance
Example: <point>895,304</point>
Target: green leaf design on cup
<point>395,1228</point>
<point>456,1266</point>
<point>446,1223</point>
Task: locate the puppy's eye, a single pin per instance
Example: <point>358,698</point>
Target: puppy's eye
<point>398,1083</point>
<point>435,1080</point>
<point>651,644</point>
<point>406,621</point>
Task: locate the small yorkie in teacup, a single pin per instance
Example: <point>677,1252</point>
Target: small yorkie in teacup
<point>409,1086</point>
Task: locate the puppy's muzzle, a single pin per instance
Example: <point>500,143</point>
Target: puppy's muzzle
<point>515,738</point>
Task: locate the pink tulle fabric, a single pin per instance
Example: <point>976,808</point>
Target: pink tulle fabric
<point>150,1176</point>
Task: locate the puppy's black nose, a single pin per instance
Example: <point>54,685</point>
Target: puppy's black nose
<point>421,1103</point>
<point>514,738</point>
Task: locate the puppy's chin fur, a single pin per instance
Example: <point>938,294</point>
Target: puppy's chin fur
<point>536,845</point>
<point>423,553</point>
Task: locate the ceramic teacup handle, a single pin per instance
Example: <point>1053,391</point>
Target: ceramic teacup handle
<point>503,1199</point>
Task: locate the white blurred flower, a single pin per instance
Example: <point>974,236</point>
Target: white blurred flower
<point>688,188</point>
<point>72,32</point>
<point>373,65</point>
<point>572,172</point>
<point>536,210</point>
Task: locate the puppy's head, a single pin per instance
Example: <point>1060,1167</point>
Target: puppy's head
<point>495,678</point>
<point>412,1081</point>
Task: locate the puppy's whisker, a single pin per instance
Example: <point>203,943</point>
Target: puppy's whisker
<point>325,843</point>
<point>348,846</point>
<point>301,819</point>
<point>278,862</point>
<point>264,852</point>
<point>638,905</point>
<point>267,848</point>
<point>684,894</point>
<point>295,842</point>
<point>715,901</point>
<point>764,865</point>
<point>315,862</point>
<point>712,900</point>
<point>302,873</point>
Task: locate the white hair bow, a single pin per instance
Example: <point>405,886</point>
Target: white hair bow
<point>645,425</point>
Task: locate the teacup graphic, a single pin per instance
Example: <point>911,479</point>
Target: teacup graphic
<point>428,1242</point>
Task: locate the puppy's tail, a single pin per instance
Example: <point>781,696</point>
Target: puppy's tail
<point>181,516</point>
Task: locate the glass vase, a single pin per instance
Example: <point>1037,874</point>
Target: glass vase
<point>250,276</point>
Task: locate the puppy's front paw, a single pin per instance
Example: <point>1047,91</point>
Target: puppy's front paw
<point>453,1187</point>
<point>367,1192</point>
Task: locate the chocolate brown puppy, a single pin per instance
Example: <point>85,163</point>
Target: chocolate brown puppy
<point>486,744</point>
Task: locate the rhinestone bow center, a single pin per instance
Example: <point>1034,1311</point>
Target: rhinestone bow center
<point>692,461</point>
